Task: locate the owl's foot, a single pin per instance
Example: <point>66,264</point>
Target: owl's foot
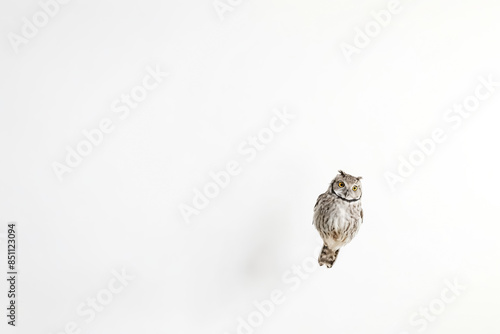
<point>327,257</point>
<point>327,262</point>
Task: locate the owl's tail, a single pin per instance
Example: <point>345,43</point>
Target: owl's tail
<point>327,256</point>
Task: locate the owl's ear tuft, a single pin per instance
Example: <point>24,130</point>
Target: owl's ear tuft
<point>359,178</point>
<point>341,173</point>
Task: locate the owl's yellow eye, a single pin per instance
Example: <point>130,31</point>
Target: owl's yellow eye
<point>341,184</point>
<point>355,188</point>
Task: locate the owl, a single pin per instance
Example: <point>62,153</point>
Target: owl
<point>338,215</point>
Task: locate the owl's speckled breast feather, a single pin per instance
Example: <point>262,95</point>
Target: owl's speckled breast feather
<point>337,219</point>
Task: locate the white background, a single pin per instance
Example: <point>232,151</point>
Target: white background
<point>120,207</point>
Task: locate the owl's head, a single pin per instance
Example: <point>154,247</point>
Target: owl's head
<point>346,186</point>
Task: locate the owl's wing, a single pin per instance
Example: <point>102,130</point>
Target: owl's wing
<point>320,197</point>
<point>316,206</point>
<point>317,201</point>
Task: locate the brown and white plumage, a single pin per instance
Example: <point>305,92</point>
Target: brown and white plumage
<point>338,215</point>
